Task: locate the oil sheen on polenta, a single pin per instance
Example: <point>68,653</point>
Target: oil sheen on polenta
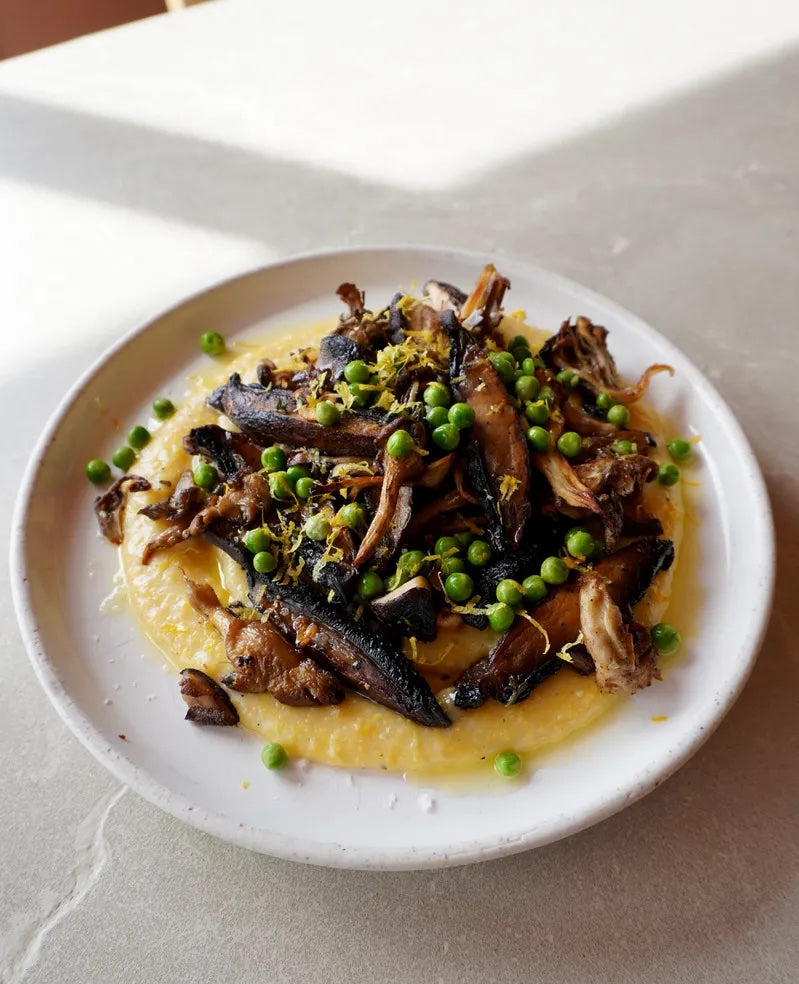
<point>356,733</point>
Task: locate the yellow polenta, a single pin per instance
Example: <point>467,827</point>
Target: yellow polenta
<point>356,733</point>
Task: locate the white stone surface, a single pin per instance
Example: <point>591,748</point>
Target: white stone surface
<point>648,150</point>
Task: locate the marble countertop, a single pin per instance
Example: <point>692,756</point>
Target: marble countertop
<point>649,151</point>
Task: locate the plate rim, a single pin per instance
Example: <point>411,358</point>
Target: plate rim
<point>332,854</point>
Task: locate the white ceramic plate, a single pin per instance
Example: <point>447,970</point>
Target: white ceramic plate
<point>105,681</point>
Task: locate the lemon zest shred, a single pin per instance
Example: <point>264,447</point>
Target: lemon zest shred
<point>540,628</point>
<point>563,653</point>
<point>507,487</point>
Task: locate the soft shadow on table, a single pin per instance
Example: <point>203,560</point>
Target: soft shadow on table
<point>554,193</point>
<point>700,861</point>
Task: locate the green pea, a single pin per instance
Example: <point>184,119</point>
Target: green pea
<point>509,592</point>
<point>504,366</point>
<point>619,415</point>
<point>547,394</point>
<point>123,457</point>
<point>446,544</point>
<point>163,408</point>
<point>459,587</point>
<point>520,353</point>
<point>527,387</point>
<point>461,415</point>
<point>436,416</point>
<point>138,437</point>
<point>295,473</point>
<point>274,756</point>
<point>304,488</point>
<point>452,565</point>
<point>580,545</point>
<point>528,366</point>
<point>370,585</point>
<point>539,438</point>
<point>437,395</point>
<point>98,471</point>
<point>205,476</point>
<point>357,371</point>
<point>400,444</point>
<point>534,588</point>
<point>273,459</point>
<point>257,541</point>
<point>280,485</point>
<point>352,515</point>
<point>317,527</point>
<point>518,341</point>
<point>507,764</point>
<point>554,570</point>
<point>680,449</point>
<point>447,437</point>
<point>464,539</point>
<point>665,638</point>
<point>361,397</point>
<point>568,378</point>
<point>575,529</point>
<point>500,616</point>
<point>537,413</point>
<point>668,474</point>
<point>605,401</point>
<point>623,447</point>
<point>212,343</point>
<point>570,444</point>
<point>327,413</point>
<point>479,553</point>
<point>410,563</point>
<point>264,562</point>
<point>391,582</point>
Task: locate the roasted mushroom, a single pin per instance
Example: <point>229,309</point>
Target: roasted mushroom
<point>109,506</point>
<point>208,703</point>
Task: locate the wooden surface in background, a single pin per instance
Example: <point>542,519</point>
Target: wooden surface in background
<point>26,25</point>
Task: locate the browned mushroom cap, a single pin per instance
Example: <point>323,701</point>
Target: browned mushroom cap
<point>582,346</point>
<point>109,506</point>
<point>207,701</point>
<point>481,311</point>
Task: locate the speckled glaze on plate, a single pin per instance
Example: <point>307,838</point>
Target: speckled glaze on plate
<point>106,682</point>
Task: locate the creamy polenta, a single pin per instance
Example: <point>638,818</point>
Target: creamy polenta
<point>356,733</point>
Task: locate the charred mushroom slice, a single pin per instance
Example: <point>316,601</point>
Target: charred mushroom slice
<point>233,454</point>
<point>409,609</point>
<point>264,661</point>
<point>109,506</point>
<point>207,701</point>
<point>337,576</point>
<point>335,351</point>
<point>499,437</point>
<point>525,655</point>
<point>368,661</point>
<point>251,408</point>
<point>397,322</point>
